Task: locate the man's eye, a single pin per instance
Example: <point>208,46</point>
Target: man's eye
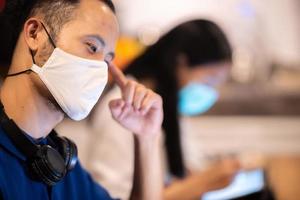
<point>92,48</point>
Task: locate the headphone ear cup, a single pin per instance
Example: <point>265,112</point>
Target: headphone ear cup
<point>47,166</point>
<point>69,151</point>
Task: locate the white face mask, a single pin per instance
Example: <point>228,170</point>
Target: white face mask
<point>76,83</point>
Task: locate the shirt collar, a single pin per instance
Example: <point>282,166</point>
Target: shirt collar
<point>6,143</point>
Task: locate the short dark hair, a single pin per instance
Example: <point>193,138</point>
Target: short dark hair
<point>56,13</point>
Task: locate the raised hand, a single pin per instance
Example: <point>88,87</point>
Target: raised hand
<point>140,109</point>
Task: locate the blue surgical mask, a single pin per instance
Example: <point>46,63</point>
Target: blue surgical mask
<point>196,99</point>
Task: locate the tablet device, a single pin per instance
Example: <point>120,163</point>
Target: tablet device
<point>245,183</point>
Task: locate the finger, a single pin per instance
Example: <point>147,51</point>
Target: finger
<point>118,75</point>
<point>139,96</point>
<point>126,109</point>
<point>128,92</point>
<point>116,107</point>
<point>231,167</point>
<point>224,182</point>
<point>151,101</point>
<point>232,163</point>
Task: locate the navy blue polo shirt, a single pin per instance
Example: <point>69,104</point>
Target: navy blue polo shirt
<point>16,184</point>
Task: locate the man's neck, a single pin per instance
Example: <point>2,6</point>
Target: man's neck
<point>32,112</point>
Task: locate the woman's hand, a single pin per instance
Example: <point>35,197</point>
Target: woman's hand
<point>217,176</point>
<point>220,174</point>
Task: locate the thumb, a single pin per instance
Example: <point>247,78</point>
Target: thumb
<point>116,107</point>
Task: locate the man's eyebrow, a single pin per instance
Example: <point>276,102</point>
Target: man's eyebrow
<point>97,37</point>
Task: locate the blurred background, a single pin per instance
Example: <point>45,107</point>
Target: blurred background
<point>258,114</point>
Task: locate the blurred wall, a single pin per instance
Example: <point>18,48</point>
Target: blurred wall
<point>263,33</point>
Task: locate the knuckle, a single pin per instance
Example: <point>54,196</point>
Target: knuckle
<point>129,84</point>
<point>132,83</point>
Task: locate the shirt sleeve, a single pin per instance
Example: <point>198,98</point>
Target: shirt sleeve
<point>97,191</point>
<point>1,176</point>
<point>80,185</point>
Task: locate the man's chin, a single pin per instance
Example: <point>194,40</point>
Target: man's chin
<point>54,106</point>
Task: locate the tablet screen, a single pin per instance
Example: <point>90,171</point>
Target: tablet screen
<point>245,182</point>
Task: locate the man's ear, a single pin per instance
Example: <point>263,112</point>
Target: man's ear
<point>33,33</point>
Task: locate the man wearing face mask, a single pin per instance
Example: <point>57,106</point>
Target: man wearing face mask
<point>59,68</point>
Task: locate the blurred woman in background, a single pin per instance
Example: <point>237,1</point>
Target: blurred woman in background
<point>184,67</point>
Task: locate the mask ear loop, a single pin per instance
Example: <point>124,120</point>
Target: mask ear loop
<point>16,74</point>
<point>32,56</point>
<point>49,36</point>
<point>25,71</point>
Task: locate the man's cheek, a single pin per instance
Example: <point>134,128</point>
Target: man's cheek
<point>43,54</point>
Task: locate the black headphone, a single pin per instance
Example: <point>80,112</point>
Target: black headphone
<point>44,162</point>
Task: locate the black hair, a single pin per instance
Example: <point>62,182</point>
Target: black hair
<point>202,42</point>
<point>56,13</point>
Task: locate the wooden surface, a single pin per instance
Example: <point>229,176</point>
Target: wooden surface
<point>284,176</point>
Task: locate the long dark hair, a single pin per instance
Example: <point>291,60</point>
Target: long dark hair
<point>201,41</point>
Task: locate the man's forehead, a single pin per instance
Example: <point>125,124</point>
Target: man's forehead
<point>94,4</point>
<point>97,18</point>
<point>97,13</point>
